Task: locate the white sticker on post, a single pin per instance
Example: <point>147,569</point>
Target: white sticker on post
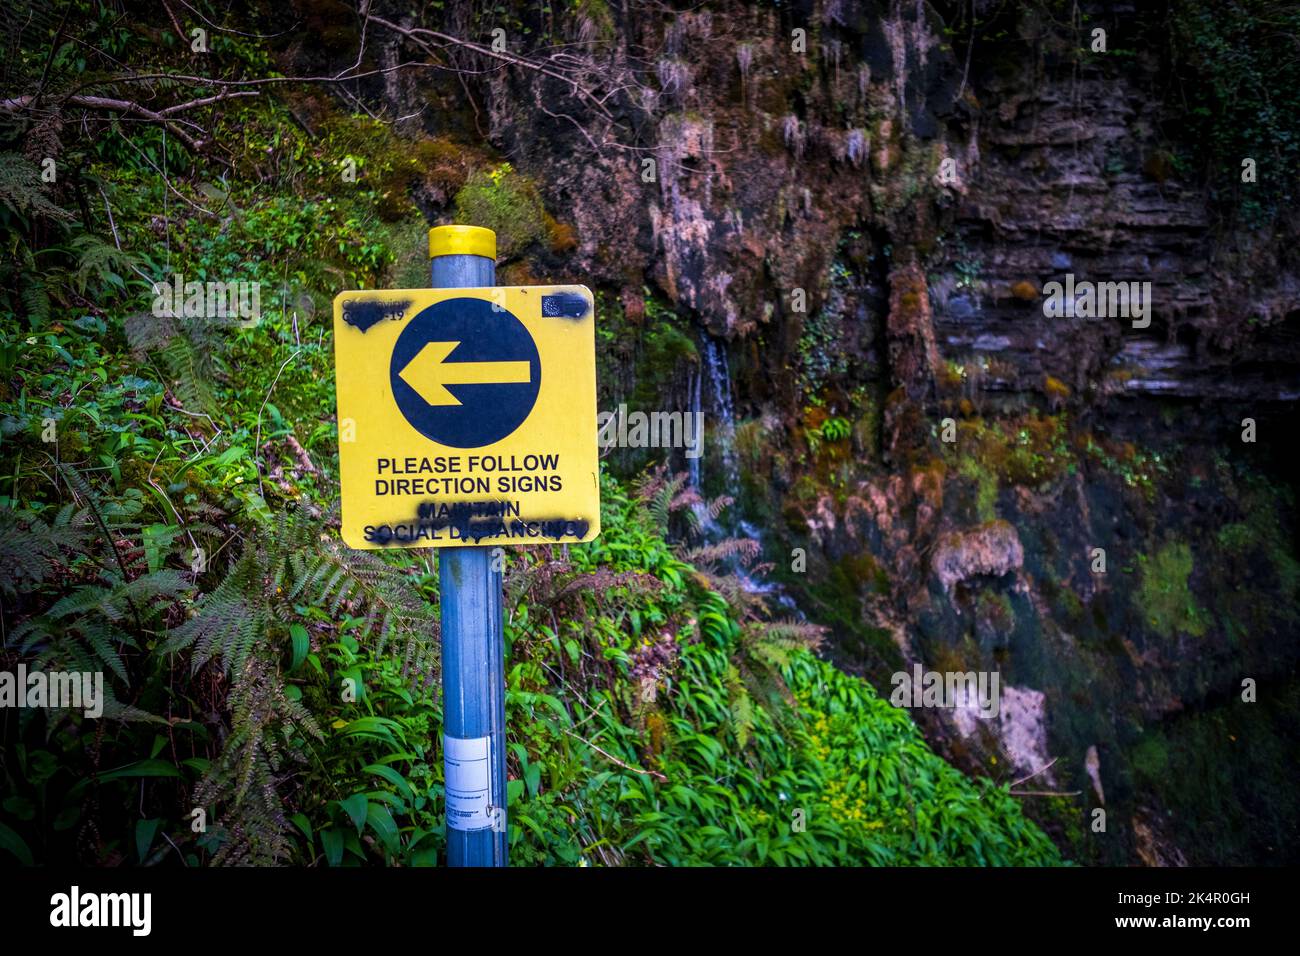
<point>467,766</point>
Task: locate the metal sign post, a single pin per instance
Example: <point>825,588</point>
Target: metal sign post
<point>467,421</point>
<point>473,639</point>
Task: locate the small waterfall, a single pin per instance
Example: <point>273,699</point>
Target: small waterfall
<point>724,431</point>
<point>722,445</point>
<point>721,411</point>
<point>693,400</point>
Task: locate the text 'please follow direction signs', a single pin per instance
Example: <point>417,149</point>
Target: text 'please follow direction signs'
<point>467,417</point>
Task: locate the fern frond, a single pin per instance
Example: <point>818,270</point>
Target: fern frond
<point>741,706</point>
<point>35,297</point>
<point>186,349</point>
<point>101,638</point>
<point>793,633</point>
<point>244,779</point>
<point>101,263</point>
<point>78,602</point>
<point>744,550</point>
<point>29,547</point>
<point>718,505</point>
<point>21,190</point>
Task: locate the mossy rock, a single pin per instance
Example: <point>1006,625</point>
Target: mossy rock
<point>506,202</point>
<point>1164,599</point>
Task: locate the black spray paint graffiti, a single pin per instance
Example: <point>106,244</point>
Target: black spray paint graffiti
<point>564,305</point>
<point>465,521</point>
<point>363,313</point>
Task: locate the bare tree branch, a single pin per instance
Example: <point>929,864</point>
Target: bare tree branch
<point>131,108</point>
<point>414,34</point>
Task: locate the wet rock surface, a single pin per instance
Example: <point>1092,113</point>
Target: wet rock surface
<point>992,549</point>
<point>784,208</point>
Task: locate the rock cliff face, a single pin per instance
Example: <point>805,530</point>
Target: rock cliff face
<point>1073,177</point>
<point>861,233</point>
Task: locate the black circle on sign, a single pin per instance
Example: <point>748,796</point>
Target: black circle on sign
<point>489,411</point>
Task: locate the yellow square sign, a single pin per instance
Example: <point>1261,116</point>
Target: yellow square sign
<point>467,417</point>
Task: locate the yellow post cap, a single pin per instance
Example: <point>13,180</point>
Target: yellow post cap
<point>462,241</point>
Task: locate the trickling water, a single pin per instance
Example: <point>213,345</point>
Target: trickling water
<point>693,399</point>
<point>724,431</point>
<point>723,434</point>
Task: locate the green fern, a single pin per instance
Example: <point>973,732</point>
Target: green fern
<point>100,265</point>
<point>243,627</point>
<point>91,627</point>
<point>246,773</point>
<point>187,350</point>
<point>22,192</point>
<point>19,273</point>
<point>741,706</point>
<point>765,649</point>
<point>30,548</point>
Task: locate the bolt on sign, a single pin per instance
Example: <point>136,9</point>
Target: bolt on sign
<point>467,417</point>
